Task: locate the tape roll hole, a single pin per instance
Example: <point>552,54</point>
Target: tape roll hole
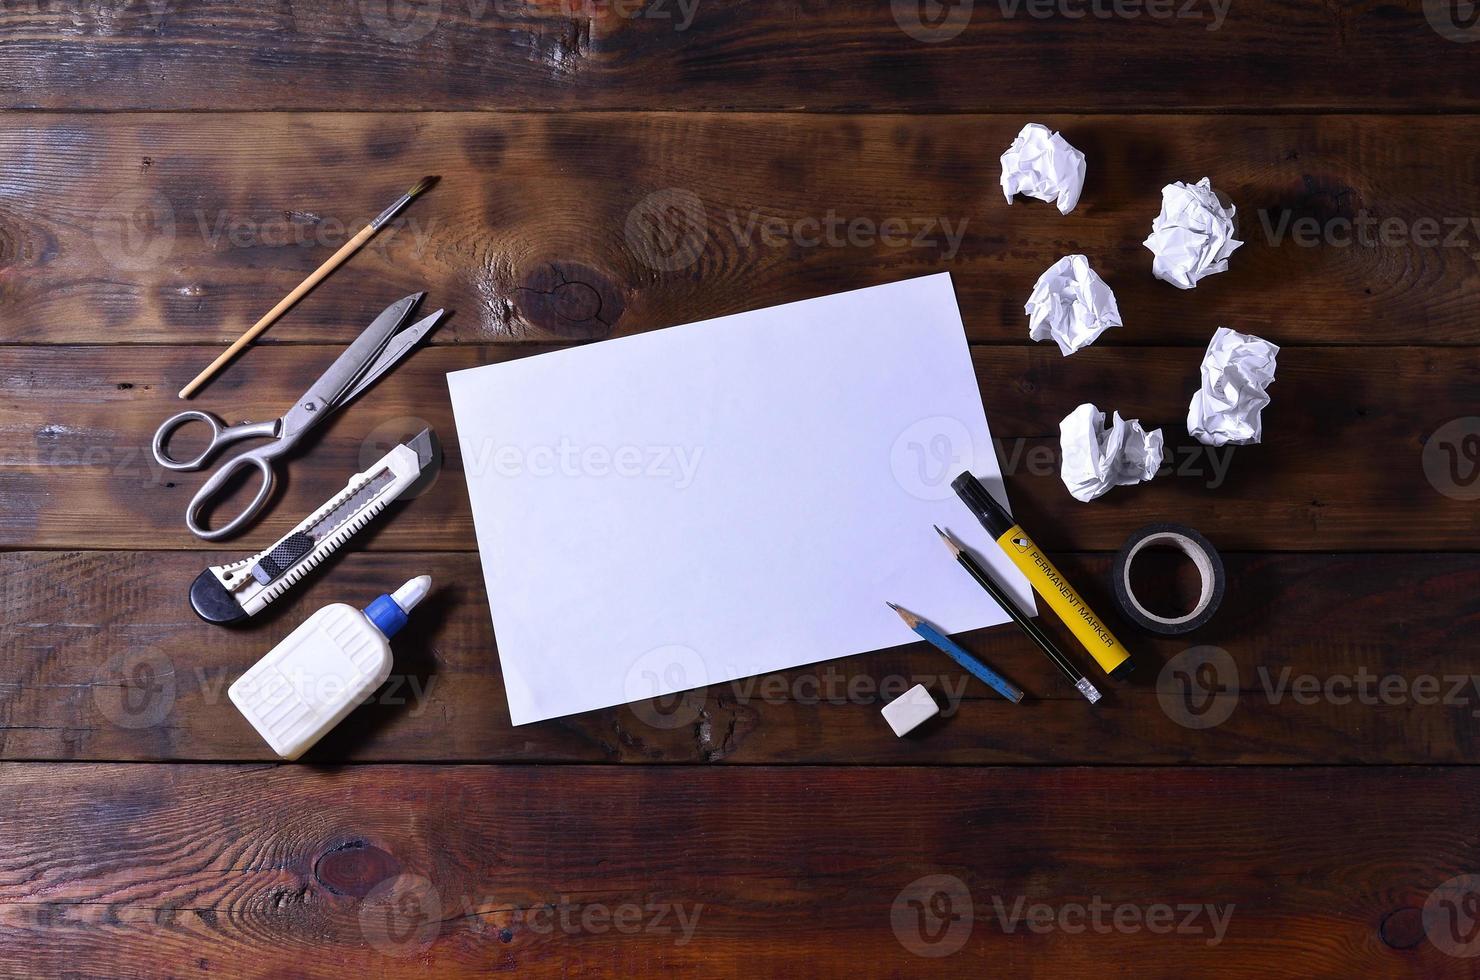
<point>1166,581</point>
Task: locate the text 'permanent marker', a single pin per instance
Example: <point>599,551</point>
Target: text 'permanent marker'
<point>1046,580</point>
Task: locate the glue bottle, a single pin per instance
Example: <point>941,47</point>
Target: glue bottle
<point>325,668</point>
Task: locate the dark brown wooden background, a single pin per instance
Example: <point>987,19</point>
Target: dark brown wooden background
<point>169,168</point>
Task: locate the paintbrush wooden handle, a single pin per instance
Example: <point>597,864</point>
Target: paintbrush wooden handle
<point>335,261</point>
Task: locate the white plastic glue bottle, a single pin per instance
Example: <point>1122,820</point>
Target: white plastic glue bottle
<point>323,670</point>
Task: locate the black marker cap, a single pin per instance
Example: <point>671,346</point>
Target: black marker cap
<point>983,505</point>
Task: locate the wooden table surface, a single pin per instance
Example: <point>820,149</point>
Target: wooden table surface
<point>1286,792</point>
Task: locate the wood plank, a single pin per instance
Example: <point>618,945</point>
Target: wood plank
<point>722,54</point>
<point>186,228</point>
<point>1342,466</point>
<point>459,871</point>
<point>1328,659</point>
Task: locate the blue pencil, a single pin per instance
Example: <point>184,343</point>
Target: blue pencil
<point>973,666</point>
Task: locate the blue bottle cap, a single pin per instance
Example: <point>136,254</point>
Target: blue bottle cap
<point>386,615</point>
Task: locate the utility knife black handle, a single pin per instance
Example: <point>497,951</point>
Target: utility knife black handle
<point>211,601</point>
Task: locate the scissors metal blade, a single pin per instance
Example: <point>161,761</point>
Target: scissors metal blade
<point>400,345</point>
<point>328,392</point>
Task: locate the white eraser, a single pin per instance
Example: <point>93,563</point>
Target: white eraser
<point>310,681</point>
<point>910,710</point>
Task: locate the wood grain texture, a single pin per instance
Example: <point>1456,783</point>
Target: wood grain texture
<point>724,54</point>
<point>614,167</point>
<point>1329,659</point>
<point>461,871</point>
<point>1341,467</point>
<point>557,228</point>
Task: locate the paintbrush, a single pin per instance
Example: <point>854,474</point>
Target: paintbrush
<point>335,261</point>
<point>1081,683</point>
<point>950,648</point>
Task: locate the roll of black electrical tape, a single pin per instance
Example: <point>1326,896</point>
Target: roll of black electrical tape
<point>1203,555</point>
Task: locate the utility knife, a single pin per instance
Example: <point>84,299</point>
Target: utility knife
<point>232,593</point>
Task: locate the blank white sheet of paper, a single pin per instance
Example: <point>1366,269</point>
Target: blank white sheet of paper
<point>727,498</point>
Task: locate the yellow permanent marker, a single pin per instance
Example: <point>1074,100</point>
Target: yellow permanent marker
<point>1046,580</point>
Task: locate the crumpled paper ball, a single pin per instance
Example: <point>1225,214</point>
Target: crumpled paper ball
<point>1227,406</point>
<point>1071,304</point>
<point>1193,235</point>
<point>1041,164</point>
<point>1096,458</point>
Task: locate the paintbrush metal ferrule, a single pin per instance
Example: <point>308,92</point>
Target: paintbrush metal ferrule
<point>400,203</point>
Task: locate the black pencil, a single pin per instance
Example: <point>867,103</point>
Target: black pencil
<point>1081,683</point>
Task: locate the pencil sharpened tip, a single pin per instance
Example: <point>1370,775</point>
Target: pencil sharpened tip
<point>950,541</point>
<point>910,619</point>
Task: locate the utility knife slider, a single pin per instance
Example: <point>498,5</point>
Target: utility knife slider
<point>231,593</point>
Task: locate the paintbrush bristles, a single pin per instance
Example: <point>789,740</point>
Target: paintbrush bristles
<point>910,619</point>
<point>950,541</point>
<point>423,185</point>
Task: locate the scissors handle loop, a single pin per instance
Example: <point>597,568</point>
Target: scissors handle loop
<point>256,459</point>
<point>220,436</point>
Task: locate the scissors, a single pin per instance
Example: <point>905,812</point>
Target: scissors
<point>374,352</point>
